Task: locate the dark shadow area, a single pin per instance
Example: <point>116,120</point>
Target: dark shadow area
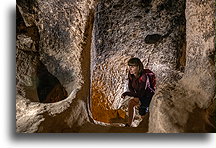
<point>153,38</point>
<point>31,31</point>
<point>49,88</point>
<point>208,115</point>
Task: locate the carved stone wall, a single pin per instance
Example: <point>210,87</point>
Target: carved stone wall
<point>153,31</point>
<point>189,104</point>
<point>51,46</point>
<point>71,64</point>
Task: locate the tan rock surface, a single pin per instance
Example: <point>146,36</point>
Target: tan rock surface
<point>152,31</point>
<point>78,51</point>
<point>189,104</point>
<point>61,26</point>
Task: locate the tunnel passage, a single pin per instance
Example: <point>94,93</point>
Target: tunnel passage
<point>121,31</point>
<point>34,80</point>
<point>124,29</point>
<point>124,37</point>
<point>49,89</point>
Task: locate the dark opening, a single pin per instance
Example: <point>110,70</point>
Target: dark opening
<point>49,89</point>
<point>153,38</point>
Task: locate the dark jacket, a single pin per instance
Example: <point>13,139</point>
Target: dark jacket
<point>137,88</point>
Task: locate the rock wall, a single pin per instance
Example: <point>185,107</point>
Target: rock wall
<point>51,48</point>
<point>152,30</point>
<point>72,64</point>
<point>189,104</point>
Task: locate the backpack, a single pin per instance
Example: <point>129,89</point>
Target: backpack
<point>150,81</point>
<point>150,90</point>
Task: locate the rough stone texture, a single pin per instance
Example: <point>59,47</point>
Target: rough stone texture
<point>189,104</point>
<point>153,31</point>
<point>51,36</point>
<point>55,43</point>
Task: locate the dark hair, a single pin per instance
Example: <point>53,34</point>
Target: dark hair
<point>136,62</point>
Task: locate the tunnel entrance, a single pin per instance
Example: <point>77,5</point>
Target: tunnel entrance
<point>45,87</point>
<point>49,89</point>
<point>153,33</point>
